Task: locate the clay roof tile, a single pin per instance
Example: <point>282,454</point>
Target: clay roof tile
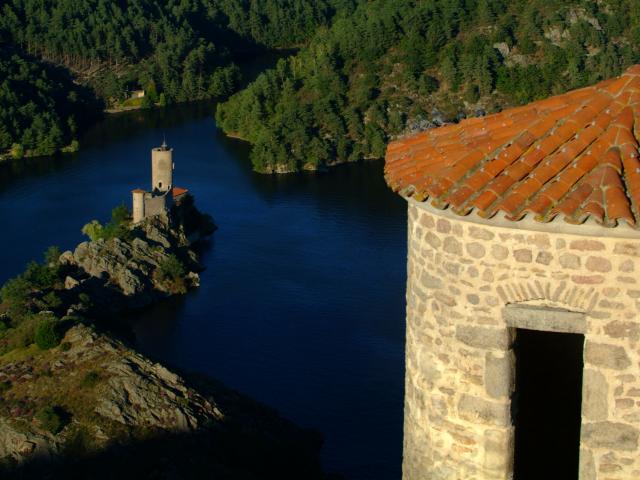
<point>575,154</point>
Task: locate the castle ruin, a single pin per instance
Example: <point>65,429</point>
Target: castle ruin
<point>163,195</point>
<point>523,295</point>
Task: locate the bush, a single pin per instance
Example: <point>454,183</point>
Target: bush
<point>51,418</point>
<point>85,300</point>
<point>91,379</point>
<point>171,273</point>
<point>40,276</point>
<point>15,293</point>
<point>116,228</point>
<point>171,269</point>
<point>93,230</point>
<point>23,334</point>
<point>65,346</point>
<point>47,334</point>
<point>5,386</point>
<point>52,300</point>
<point>52,256</point>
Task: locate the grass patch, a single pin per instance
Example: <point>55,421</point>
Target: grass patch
<point>20,354</point>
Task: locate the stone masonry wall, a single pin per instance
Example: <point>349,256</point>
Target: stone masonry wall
<point>459,377</point>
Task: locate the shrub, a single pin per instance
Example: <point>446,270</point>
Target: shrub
<point>65,346</point>
<point>85,300</point>
<point>23,334</point>
<point>15,294</point>
<point>93,230</point>
<point>52,256</point>
<point>51,418</point>
<point>171,273</point>
<point>47,334</point>
<point>5,386</point>
<point>40,276</point>
<point>91,379</point>
<point>116,228</point>
<point>52,300</point>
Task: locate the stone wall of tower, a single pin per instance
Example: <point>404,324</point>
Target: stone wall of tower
<point>154,205</point>
<point>463,276</point>
<point>161,169</point>
<point>138,206</point>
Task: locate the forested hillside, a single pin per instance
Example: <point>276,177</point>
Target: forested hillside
<point>182,48</point>
<point>176,50</point>
<point>400,65</point>
<point>40,106</point>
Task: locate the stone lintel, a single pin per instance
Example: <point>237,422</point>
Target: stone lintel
<point>547,319</point>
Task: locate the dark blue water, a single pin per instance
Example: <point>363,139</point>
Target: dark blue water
<point>302,302</point>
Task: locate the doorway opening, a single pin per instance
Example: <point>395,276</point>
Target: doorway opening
<point>546,405</point>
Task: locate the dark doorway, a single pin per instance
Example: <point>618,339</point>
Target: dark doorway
<point>547,405</point>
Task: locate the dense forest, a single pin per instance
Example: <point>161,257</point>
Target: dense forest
<point>394,66</point>
<point>175,50</point>
<point>40,106</point>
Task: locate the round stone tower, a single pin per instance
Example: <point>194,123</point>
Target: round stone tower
<point>161,168</point>
<point>524,224</point>
<point>138,205</point>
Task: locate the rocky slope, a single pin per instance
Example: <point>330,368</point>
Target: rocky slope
<point>86,405</point>
<point>115,404</point>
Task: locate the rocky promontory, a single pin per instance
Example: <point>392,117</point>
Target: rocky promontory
<point>76,402</point>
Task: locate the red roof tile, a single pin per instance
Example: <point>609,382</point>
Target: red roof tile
<point>574,155</point>
<point>177,191</point>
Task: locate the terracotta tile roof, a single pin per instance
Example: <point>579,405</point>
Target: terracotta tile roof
<point>178,191</point>
<point>138,190</point>
<point>574,155</point>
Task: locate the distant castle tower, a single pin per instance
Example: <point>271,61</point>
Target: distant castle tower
<point>162,168</point>
<point>163,194</point>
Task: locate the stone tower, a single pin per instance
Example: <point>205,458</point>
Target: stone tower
<point>163,195</point>
<point>524,224</point>
<point>162,168</point>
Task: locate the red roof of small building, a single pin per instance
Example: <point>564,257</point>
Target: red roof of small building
<point>138,190</point>
<point>574,155</point>
<point>178,191</point>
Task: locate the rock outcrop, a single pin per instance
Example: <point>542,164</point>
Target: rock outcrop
<point>123,270</point>
<point>129,390</point>
<point>129,401</point>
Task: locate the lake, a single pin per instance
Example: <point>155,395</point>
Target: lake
<point>301,305</point>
